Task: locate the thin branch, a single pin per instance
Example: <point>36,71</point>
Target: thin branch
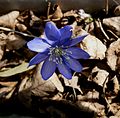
<point>11,30</point>
<point>116,2</point>
<point>48,10</point>
<point>113,34</point>
<point>106,6</point>
<point>100,24</point>
<point>104,84</point>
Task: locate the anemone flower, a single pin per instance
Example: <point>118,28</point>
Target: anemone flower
<point>57,50</point>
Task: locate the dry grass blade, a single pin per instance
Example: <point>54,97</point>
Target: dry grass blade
<point>8,84</point>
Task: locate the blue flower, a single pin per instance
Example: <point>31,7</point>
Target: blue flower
<point>57,50</point>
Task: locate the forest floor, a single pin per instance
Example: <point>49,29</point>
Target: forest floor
<point>92,93</point>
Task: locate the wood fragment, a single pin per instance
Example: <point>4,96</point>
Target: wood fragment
<point>106,6</point>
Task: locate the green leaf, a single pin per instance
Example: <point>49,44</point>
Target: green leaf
<point>16,70</point>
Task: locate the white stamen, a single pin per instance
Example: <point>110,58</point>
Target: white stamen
<point>68,51</point>
<point>56,54</point>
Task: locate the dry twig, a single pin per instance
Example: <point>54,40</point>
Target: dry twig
<point>106,6</point>
<point>103,31</point>
<point>11,30</point>
<point>48,10</point>
<point>113,34</point>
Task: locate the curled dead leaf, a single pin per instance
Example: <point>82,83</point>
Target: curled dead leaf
<point>113,23</point>
<point>99,76</point>
<point>116,85</point>
<point>14,41</point>
<point>21,27</point>
<point>9,20</point>
<point>5,89</point>
<point>73,83</point>
<point>3,38</point>
<point>70,13</point>
<point>89,96</point>
<point>25,84</point>
<point>10,93</point>
<point>24,92</point>
<point>93,46</point>
<point>57,13</point>
<point>1,52</point>
<point>117,10</point>
<point>40,87</point>
<point>95,107</point>
<point>113,55</point>
<point>16,70</point>
<point>8,84</point>
<point>55,80</point>
<point>6,92</point>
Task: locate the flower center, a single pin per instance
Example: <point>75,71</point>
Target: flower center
<point>56,54</point>
<point>58,51</point>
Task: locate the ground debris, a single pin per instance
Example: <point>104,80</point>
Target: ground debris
<point>93,93</point>
<point>10,19</point>
<point>113,55</point>
<point>113,24</point>
<point>94,47</point>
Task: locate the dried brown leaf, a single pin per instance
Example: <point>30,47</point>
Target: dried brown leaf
<point>24,91</point>
<point>8,96</point>
<point>92,107</point>
<point>55,80</point>
<point>116,85</point>
<point>57,13</point>
<point>91,95</point>
<point>70,13</point>
<point>21,27</point>
<point>16,70</point>
<point>5,90</point>
<point>116,109</point>
<point>9,20</point>
<point>117,11</point>
<point>83,15</point>
<point>93,46</point>
<point>25,84</point>
<point>8,84</point>
<point>73,83</point>
<point>40,87</point>
<point>14,41</point>
<point>113,55</point>
<point>1,52</point>
<point>113,23</point>
<point>3,38</point>
<point>99,76</point>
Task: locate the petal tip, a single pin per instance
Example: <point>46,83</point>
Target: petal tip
<point>30,64</point>
<point>87,56</point>
<point>44,78</point>
<point>69,78</point>
<point>48,68</point>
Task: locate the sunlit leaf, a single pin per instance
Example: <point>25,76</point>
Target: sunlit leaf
<point>16,70</point>
<point>55,80</point>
